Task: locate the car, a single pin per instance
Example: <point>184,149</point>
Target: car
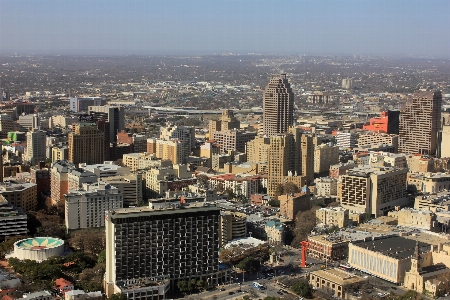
<point>281,272</point>
<point>280,293</point>
<point>230,293</point>
<point>222,289</point>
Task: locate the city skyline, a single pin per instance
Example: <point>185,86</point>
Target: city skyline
<point>204,27</point>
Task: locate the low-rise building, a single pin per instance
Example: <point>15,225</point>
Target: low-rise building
<point>334,280</point>
<point>143,161</point>
<point>63,285</point>
<point>429,182</point>
<point>333,216</point>
<point>82,295</point>
<point>341,168</point>
<point>421,219</point>
<point>291,204</point>
<point>43,295</point>
<point>21,195</point>
<point>329,247</point>
<point>326,186</point>
<point>275,231</point>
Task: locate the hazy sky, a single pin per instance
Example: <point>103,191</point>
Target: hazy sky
<point>216,26</point>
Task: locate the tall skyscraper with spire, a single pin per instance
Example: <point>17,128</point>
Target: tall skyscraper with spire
<point>278,106</point>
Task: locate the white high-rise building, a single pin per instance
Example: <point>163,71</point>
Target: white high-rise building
<point>36,150</point>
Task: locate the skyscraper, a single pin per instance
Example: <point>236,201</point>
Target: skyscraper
<point>420,123</point>
<point>178,242</point>
<point>35,147</point>
<point>86,144</point>
<point>278,106</point>
<point>115,115</point>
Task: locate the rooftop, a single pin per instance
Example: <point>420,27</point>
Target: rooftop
<point>338,276</point>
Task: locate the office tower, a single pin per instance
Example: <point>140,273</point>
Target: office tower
<point>6,125</point>
<point>232,226</point>
<point>420,123</point>
<point>227,121</point>
<point>86,144</point>
<point>60,153</point>
<point>278,106</point>
<point>35,147</point>
<point>82,104</point>
<point>325,156</point>
<point>234,139</point>
<point>373,190</point>
<point>85,208</point>
<point>178,243</point>
<point>281,160</point>
<point>307,158</point>
<point>115,115</point>
<point>104,126</point>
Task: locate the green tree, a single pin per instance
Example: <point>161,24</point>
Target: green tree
<point>118,296</point>
<point>274,203</point>
<point>410,295</point>
<point>192,285</point>
<point>302,288</point>
<point>279,190</point>
<point>102,257</point>
<point>249,264</point>
<point>182,285</point>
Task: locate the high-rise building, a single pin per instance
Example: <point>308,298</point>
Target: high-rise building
<point>35,147</point>
<point>6,125</point>
<point>85,208</point>
<point>373,190</point>
<point>115,115</point>
<point>13,221</point>
<point>20,195</point>
<point>387,123</point>
<point>86,144</point>
<point>420,124</point>
<point>173,242</point>
<point>172,150</point>
<point>82,104</point>
<point>59,181</point>
<point>278,106</point>
<point>182,133</point>
<point>227,121</point>
<point>233,139</point>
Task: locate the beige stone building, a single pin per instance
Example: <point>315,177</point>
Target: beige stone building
<point>20,195</point>
<point>335,280</point>
<point>130,186</point>
<point>434,202</point>
<point>373,190</point>
<point>429,182</point>
<point>445,142</point>
<point>333,216</point>
<point>385,159</point>
<point>417,163</point>
<point>290,205</point>
<point>86,144</point>
<point>35,151</point>
<point>258,150</point>
<point>326,186</point>
<point>324,157</point>
<point>159,181</point>
<point>143,161</point>
<point>60,153</point>
<point>226,122</point>
<point>275,231</point>
<point>234,139</point>
<point>173,150</point>
<point>233,225</point>
<point>421,219</point>
<point>186,134</point>
<point>374,138</point>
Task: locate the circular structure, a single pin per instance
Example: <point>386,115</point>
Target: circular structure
<point>38,248</point>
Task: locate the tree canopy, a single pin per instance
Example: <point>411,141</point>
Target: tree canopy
<point>302,288</point>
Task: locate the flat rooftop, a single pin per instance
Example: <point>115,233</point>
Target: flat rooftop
<point>338,276</point>
<point>394,246</point>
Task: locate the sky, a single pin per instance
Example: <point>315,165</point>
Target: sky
<point>177,27</point>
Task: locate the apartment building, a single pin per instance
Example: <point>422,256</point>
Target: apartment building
<point>85,208</point>
<point>174,243</point>
<point>373,190</point>
<point>186,134</point>
<point>20,195</point>
<point>59,182</point>
<point>346,139</point>
<point>173,150</point>
<point>324,157</point>
<point>239,184</point>
<point>418,163</point>
<point>257,150</point>
<point>143,161</point>
<point>233,225</point>
<point>234,139</point>
<point>333,216</point>
<point>13,221</point>
<point>374,138</point>
<point>326,186</point>
<point>290,205</point>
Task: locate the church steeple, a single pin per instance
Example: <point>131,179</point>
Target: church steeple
<point>415,260</point>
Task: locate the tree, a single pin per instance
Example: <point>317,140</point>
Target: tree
<point>279,190</point>
<point>225,255</point>
<point>118,296</point>
<point>249,264</point>
<point>410,295</point>
<point>290,188</point>
<point>302,288</point>
<point>91,241</point>
<point>182,286</point>
<point>305,221</point>
<point>274,203</point>
<point>102,257</point>
<point>203,180</point>
<point>230,194</point>
<point>219,187</point>
<point>192,285</point>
